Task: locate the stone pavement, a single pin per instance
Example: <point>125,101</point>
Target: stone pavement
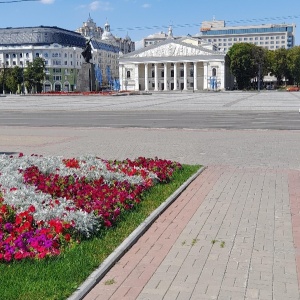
<point>230,235</point>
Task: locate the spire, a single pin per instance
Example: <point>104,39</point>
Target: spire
<point>170,33</point>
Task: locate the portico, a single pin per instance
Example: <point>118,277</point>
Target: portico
<point>173,65</point>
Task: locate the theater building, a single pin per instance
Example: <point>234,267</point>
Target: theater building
<point>185,63</point>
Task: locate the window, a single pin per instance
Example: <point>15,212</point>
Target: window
<point>162,73</point>
<point>152,74</point>
<point>7,55</point>
<point>14,55</point>
<point>128,74</point>
<point>214,72</point>
<point>172,73</point>
<point>181,73</point>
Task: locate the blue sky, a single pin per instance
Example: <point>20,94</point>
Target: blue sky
<point>134,16</point>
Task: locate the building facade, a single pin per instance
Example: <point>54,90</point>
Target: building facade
<point>173,64</point>
<point>61,50</point>
<point>155,38</point>
<point>89,29</point>
<point>269,36</point>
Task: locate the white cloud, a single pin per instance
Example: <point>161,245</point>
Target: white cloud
<point>146,5</point>
<point>47,1</point>
<point>100,5</point>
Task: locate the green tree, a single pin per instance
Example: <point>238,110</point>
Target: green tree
<point>14,78</point>
<point>34,75</point>
<point>241,64</point>
<point>247,62</point>
<point>293,61</point>
<point>278,64</point>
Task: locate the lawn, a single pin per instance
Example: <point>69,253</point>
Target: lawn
<point>60,218</point>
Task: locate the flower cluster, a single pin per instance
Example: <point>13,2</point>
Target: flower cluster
<point>49,203</point>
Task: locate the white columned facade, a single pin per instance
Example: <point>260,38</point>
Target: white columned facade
<point>136,77</point>
<point>222,76</point>
<point>165,77</point>
<point>195,77</point>
<point>205,85</point>
<point>175,77</point>
<point>185,76</point>
<point>155,77</point>
<point>146,77</point>
<point>121,74</point>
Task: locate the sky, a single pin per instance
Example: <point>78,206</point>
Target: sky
<point>140,18</point>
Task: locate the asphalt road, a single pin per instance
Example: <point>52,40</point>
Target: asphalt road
<point>225,110</point>
<point>284,120</point>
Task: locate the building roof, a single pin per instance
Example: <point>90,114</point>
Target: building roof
<point>41,35</point>
<point>104,46</point>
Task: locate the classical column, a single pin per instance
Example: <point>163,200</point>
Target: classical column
<point>185,76</point>
<point>205,77</point>
<point>146,78</point>
<point>121,74</point>
<point>195,77</point>
<point>136,78</point>
<point>175,77</point>
<point>221,76</point>
<point>165,77</point>
<point>155,77</point>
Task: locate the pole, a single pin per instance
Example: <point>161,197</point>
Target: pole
<point>3,80</point>
<point>258,83</point>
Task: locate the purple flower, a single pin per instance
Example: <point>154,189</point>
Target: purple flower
<point>8,227</point>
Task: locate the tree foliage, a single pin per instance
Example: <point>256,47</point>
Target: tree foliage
<point>247,61</point>
<point>293,62</point>
<point>14,79</point>
<point>34,75</point>
<point>278,64</point>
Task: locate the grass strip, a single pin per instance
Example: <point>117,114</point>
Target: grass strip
<point>57,278</point>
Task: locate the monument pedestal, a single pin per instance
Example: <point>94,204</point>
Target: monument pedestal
<point>86,81</point>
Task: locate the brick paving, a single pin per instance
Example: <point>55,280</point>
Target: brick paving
<point>229,236</point>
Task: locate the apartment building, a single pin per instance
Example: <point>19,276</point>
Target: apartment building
<point>269,36</point>
<point>61,49</point>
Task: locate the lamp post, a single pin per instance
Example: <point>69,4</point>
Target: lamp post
<point>23,83</point>
<point>3,79</point>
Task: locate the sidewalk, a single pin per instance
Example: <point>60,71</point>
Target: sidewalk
<point>228,236</point>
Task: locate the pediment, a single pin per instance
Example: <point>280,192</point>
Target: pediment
<point>171,49</point>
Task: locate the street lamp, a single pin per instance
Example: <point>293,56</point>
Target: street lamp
<point>3,80</point>
<point>23,83</point>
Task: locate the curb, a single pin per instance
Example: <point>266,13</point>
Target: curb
<point>108,263</point>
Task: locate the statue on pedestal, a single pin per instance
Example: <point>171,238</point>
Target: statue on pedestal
<point>86,75</point>
<point>87,52</point>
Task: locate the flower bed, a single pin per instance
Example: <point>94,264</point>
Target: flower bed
<point>50,203</point>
